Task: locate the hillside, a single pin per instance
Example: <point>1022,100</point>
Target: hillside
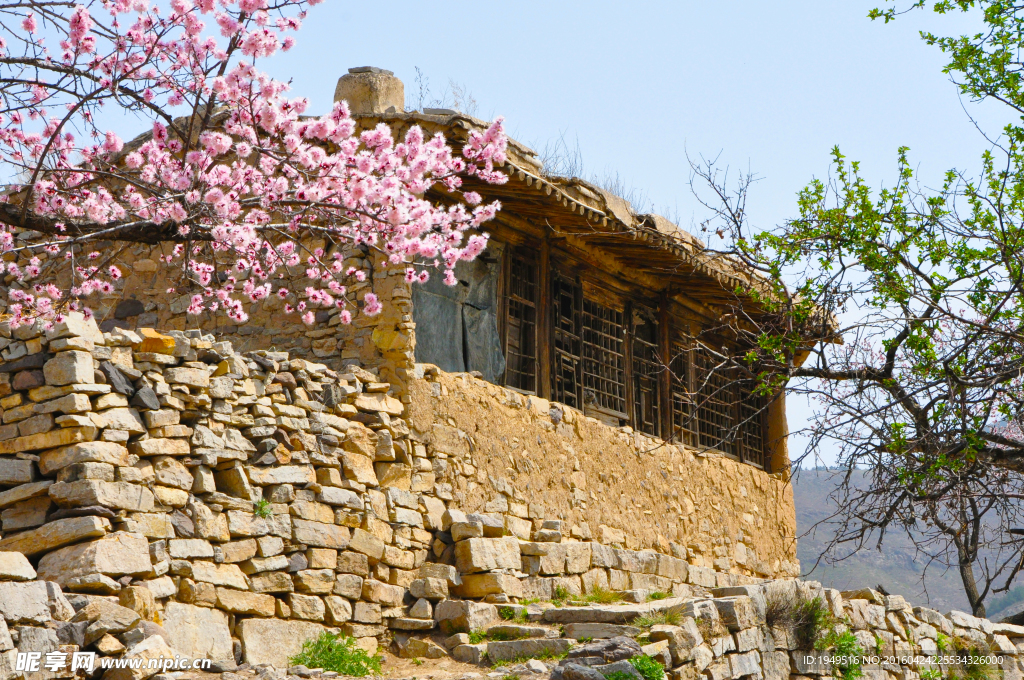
<point>895,566</point>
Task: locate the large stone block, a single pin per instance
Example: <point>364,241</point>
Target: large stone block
<point>118,495</point>
<point>487,554</point>
<point>14,566</point>
<point>24,602</point>
<point>219,574</point>
<point>55,534</point>
<point>15,471</point>
<point>242,602</point>
<point>83,452</point>
<point>117,554</point>
<point>122,418</point>
<point>193,377</point>
<point>24,492</point>
<point>69,368</point>
<point>273,641</point>
<point>482,585</point>
<point>151,648</point>
<point>198,632</point>
<point>320,535</point>
<point>286,474</point>
<point>463,616</point>
<point>48,440</point>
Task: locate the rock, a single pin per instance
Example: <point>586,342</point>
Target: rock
<point>155,342</point>
<point>154,647</point>
<point>84,452</point>
<point>116,379</point>
<point>121,418</point>
<point>599,631</point>
<point>736,613</point>
<point>273,641</point>
<point>366,543</point>
<point>47,440</point>
<point>104,617</point>
<point>114,555</point>
<point>517,632</point>
<point>463,616</point>
<point>140,600</point>
<point>487,554</point>
<point>515,649</point>
<point>320,535</point>
<point>415,648</point>
<point>473,654</point>
<point>286,474</point>
<point>573,671</point>
<point>26,515</point>
<point>379,401</point>
<point>610,650</point>
<point>14,566</point>
<point>93,583</point>
<point>440,571</point>
<point>338,609</point>
<point>24,492</point>
<point>15,471</point>
<point>146,399</point>
<point>308,607</point>
<point>193,377</point>
<point>476,586</point>
<point>198,632</point>
<point>120,495</point>
<point>682,639</point>
<point>69,368</point>
<point>621,668</point>
<point>429,588</point>
<point>218,574</point>
<point>462,530</point>
<point>24,602</point>
<point>55,534</point>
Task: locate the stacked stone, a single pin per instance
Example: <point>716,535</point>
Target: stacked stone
<point>241,499</point>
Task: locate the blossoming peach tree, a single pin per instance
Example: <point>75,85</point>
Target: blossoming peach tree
<point>230,174</point>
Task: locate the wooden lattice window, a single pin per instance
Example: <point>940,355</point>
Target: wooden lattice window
<point>646,373</point>
<point>565,373</point>
<point>604,359</point>
<point>752,426</point>
<point>684,413</point>
<point>521,323</point>
<point>716,405</point>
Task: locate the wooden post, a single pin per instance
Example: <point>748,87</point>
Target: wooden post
<point>545,335</point>
<point>665,375</point>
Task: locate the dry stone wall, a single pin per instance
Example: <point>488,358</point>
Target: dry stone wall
<point>235,504</point>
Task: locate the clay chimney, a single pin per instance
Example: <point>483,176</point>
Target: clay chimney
<point>371,90</point>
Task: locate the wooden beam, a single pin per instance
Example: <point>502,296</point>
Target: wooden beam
<point>545,334</point>
<point>665,375</point>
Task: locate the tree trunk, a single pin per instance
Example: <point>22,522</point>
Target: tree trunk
<point>970,585</point>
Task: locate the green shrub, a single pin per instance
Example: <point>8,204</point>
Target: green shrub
<point>648,667</point>
<point>560,595</point>
<point>814,620</point>
<point>656,595</point>
<point>338,654</point>
<point>262,508</point>
<point>601,595</point>
<point>477,636</point>
<point>619,675</point>
<point>843,644</point>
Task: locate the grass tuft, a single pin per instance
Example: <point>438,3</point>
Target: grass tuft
<point>656,595</point>
<point>666,618</point>
<point>336,653</point>
<point>513,614</point>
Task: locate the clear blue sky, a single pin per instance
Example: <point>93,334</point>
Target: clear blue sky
<point>770,86</point>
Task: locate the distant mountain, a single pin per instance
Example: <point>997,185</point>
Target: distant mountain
<point>895,566</point>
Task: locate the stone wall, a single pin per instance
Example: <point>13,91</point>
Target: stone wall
<point>239,503</point>
<point>609,484</point>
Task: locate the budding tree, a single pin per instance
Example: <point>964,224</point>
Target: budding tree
<point>900,313</point>
<point>231,174</point>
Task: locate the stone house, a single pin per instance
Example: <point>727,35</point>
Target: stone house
<point>561,376</point>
